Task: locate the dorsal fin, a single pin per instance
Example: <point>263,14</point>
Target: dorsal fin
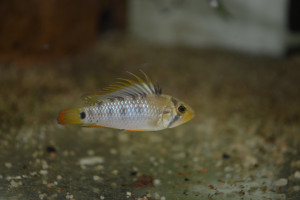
<point>124,88</point>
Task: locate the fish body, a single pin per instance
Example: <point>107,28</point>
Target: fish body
<point>129,105</point>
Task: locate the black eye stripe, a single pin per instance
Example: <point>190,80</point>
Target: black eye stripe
<point>173,120</point>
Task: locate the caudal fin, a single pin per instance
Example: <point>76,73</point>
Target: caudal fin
<point>70,116</point>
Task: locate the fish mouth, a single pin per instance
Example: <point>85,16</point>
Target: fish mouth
<point>191,115</point>
<point>179,120</point>
<point>188,116</point>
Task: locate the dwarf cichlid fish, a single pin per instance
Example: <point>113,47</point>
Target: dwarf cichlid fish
<point>132,105</point>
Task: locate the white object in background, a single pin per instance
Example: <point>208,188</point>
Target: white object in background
<point>256,26</point>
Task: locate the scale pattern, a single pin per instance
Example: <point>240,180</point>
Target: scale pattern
<point>126,113</point>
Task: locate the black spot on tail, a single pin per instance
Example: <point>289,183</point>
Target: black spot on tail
<point>82,115</point>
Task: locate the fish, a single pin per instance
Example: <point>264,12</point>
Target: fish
<point>135,104</point>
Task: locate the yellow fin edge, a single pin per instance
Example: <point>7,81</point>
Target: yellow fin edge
<point>70,116</point>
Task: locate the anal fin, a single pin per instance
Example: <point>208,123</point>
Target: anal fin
<point>133,130</point>
<point>93,126</point>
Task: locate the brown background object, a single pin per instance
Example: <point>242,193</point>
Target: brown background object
<point>50,28</point>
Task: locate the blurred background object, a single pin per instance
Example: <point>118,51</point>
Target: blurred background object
<point>52,28</point>
<point>256,27</point>
<point>38,29</point>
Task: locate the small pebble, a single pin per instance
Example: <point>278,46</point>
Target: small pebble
<point>250,161</point>
<point>32,173</point>
<point>99,167</point>
<point>296,163</point>
<point>14,183</point>
<point>135,169</point>
<point>128,194</point>
<point>156,182</point>
<point>228,169</point>
<point>41,196</point>
<point>91,160</point>
<point>296,188</point>
<point>133,173</point>
<point>219,163</point>
<point>97,178</point>
<point>82,166</point>
<point>162,198</point>
<point>69,196</point>
<point>102,197</point>
<point>115,172</point>
<point>59,177</point>
<point>43,172</point>
<point>156,196</point>
<point>152,159</point>
<point>8,165</point>
<point>225,156</point>
<point>96,190</point>
<point>113,151</point>
<point>91,152</point>
<point>35,154</point>
<point>179,156</point>
<point>228,176</point>
<point>281,182</point>
<point>65,153</point>
<point>44,164</point>
<point>114,185</point>
<point>297,174</point>
<point>50,149</point>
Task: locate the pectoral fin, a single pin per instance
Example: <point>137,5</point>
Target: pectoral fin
<point>166,118</point>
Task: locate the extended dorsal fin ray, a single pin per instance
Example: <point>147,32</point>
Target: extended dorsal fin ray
<point>124,88</point>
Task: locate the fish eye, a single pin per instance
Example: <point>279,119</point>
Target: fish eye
<point>181,109</point>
